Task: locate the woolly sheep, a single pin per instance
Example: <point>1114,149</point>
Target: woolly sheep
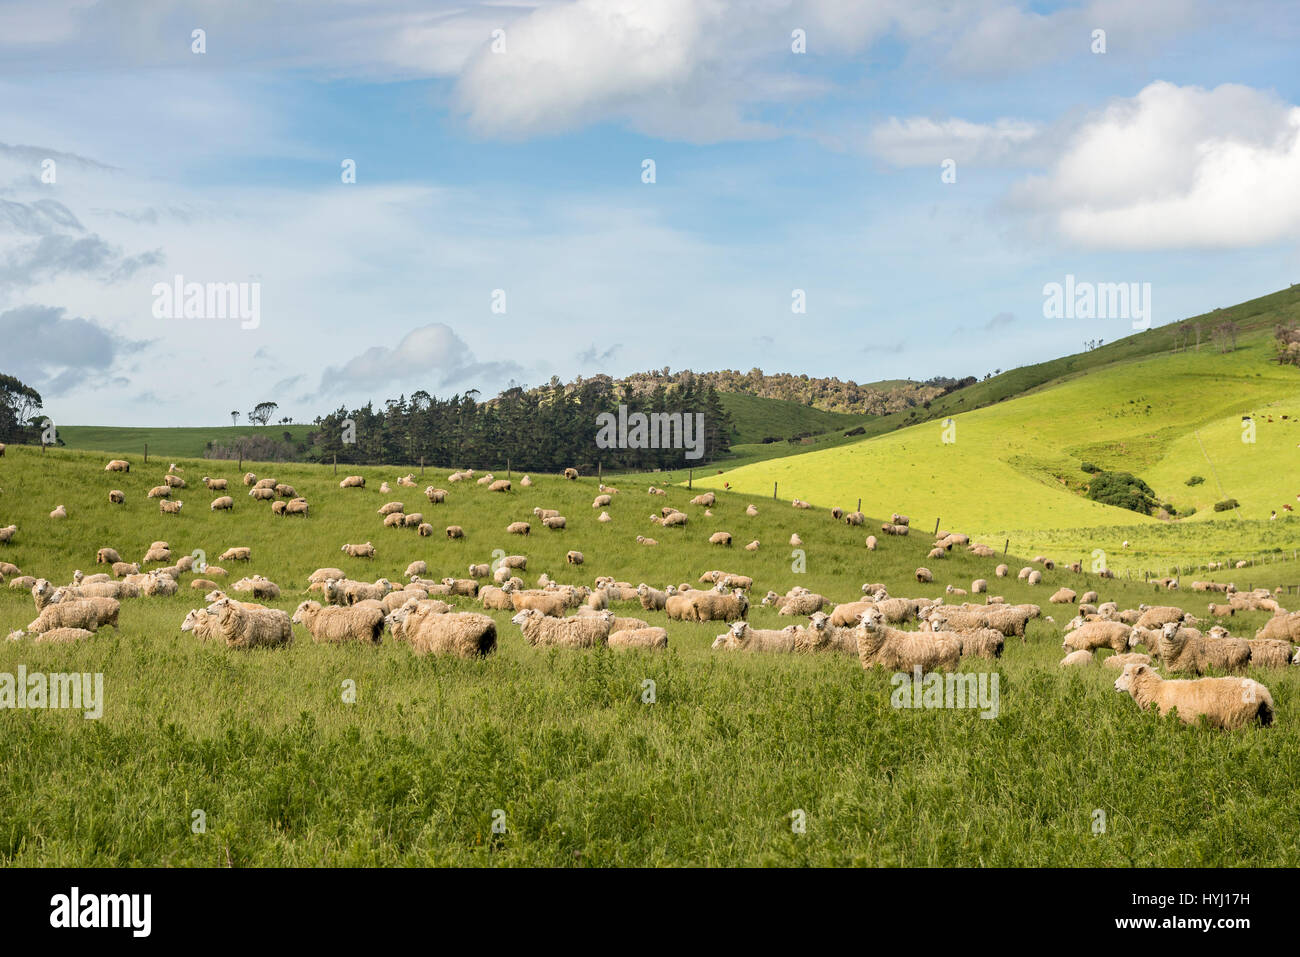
<point>741,637</point>
<point>413,519</point>
<point>707,499</point>
<point>117,497</point>
<point>170,508</point>
<point>1285,627</point>
<point>1098,634</point>
<point>54,636</point>
<point>720,538</point>
<point>122,569</point>
<point>1035,577</point>
<point>225,502</point>
<point>519,528</point>
<point>1077,658</point>
<point>360,551</point>
<point>118,465</point>
<point>244,627</point>
<point>107,556</point>
<point>173,481</point>
<point>455,531</point>
<point>895,650</point>
<point>584,631</point>
<point>924,575</point>
<point>1063,596</point>
<point>1227,703</point>
<point>718,605</point>
<point>353,481</point>
<point>554,522</point>
<point>1186,649</point>
<point>88,613</point>
<point>424,530</point>
<point>652,599</point>
<point>334,624</point>
<point>203,623</point>
<point>799,503</point>
<point>1159,616</point>
<point>574,558</point>
<point>571,474</point>
<point>525,482</point>
<point>1119,661</point>
<point>215,485</point>
<point>1269,652</point>
<point>653,638</point>
<point>463,634</point>
<point>59,512</point>
<point>158,552</point>
<point>259,587</point>
<point>237,553</point>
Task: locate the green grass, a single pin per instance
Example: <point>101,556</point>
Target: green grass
<point>587,775</point>
<point>755,418</point>
<point>168,443</point>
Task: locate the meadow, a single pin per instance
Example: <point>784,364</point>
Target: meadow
<point>584,770</point>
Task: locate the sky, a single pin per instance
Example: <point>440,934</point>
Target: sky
<point>456,196</point>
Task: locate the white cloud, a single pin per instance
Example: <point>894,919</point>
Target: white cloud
<point>430,356</point>
<point>1177,167</point>
<point>920,141</point>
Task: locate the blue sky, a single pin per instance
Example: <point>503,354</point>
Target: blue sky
<point>1173,158</point>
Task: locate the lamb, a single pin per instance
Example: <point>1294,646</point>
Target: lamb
<point>741,637</point>
<point>602,501</point>
<point>334,624</point>
<point>642,540</point>
<point>554,522</point>
<point>215,485</point>
<point>238,553</point>
<point>118,465</point>
<point>436,496</point>
<point>107,556</point>
<point>88,613</point>
<point>1269,652</point>
<point>59,512</point>
<point>359,551</point>
<point>555,632</point>
<point>653,638</point>
<point>707,499</point>
<point>879,644</point>
<point>519,528</point>
<point>1227,703</point>
<point>170,508</point>
<point>574,558</point>
<point>1099,634</point>
<point>720,538</point>
<point>353,481</point>
<point>244,627</point>
<point>1186,649</point>
<point>1063,596</point>
<point>1077,658</point>
<point>54,636</point>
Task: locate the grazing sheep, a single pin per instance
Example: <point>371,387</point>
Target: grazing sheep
<point>259,586</point>
<point>1227,703</point>
<point>924,575</point>
<point>1092,635</point>
<point>321,575</point>
<point>574,558</point>
<point>59,512</point>
<point>431,631</point>
<point>741,637</point>
<point>1077,658</point>
<point>1063,596</point>
<point>891,529</point>
<point>117,497</point>
<point>249,478</point>
<point>107,556</point>
<point>455,531</point>
<point>1186,649</point>
<point>879,644</point>
<point>519,528</point>
<point>353,481</point>
<point>980,643</point>
<point>1269,652</point>
<point>1159,616</point>
<point>225,503</point>
<point>173,481</point>
<point>482,570</point>
<point>554,522</point>
<point>245,627</point>
<point>390,508</point>
<point>89,613</point>
<point>602,501</point>
<point>424,530</point>
<point>1035,577</point>
<point>706,499</point>
<point>334,624</point>
<point>159,491</point>
<point>118,465</point>
<point>237,553</point>
<point>158,552</point>
<point>580,631</point>
<point>170,508</point>
<point>571,474</point>
<point>720,538</point>
<point>412,520</point>
<point>122,569</point>
<point>359,551</point>
<point>717,605</point>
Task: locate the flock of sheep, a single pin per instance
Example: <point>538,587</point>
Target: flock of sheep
<point>421,611</point>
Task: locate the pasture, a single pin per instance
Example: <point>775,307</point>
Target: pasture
<point>584,769</point>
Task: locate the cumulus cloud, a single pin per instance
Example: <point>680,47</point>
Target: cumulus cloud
<point>55,354</point>
<point>431,356</point>
<point>1176,166</point>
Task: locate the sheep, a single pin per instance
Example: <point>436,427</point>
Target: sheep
<point>436,496</point>
<point>718,605</point>
<point>1119,661</point>
<point>671,520</point>
<point>584,631</point>
<point>117,497</point>
<point>359,551</point>
<point>89,613</point>
<point>1269,652</point>
<point>455,531</point>
<point>1011,620</point>
<point>574,558</point>
<point>554,522</point>
<point>482,570</point>
<point>821,635</point>
<point>158,552</point>
<point>982,551</point>
<point>333,624</point>
<point>204,583</point>
<point>215,485</point>
<point>107,556</point>
<point>1160,615</point>
<point>720,538</point>
<point>652,599</point>
<point>980,643</point>
<point>285,491</point>
<point>879,644</point>
<point>642,540</point>
<point>1227,703</point>
<point>353,481</point>
<point>412,520</point>
<point>1186,649</point>
<point>54,636</point>
<point>59,512</point>
<point>118,465</point>
<point>525,482</point>
<point>799,503</point>
<point>170,508</point>
<point>1092,635</point>
<point>463,634</point>
<point>322,575</point>
<point>602,501</point>
<point>390,508</point>
<point>122,569</point>
<point>259,587</point>
<point>224,503</point>
<point>653,638</point>
<point>203,623</point>
<point>297,506</point>
<point>519,528</point>
<point>24,582</point>
<point>244,627</point>
<point>1077,658</point>
<point>1221,611</point>
<point>1063,596</point>
<point>1285,627</point>
<point>890,529</point>
<point>459,476</point>
<point>571,474</point>
<point>847,615</point>
<point>741,637</point>
<point>802,602</point>
<point>706,499</point>
<point>1035,577</point>
<point>173,481</point>
<point>924,575</point>
<point>237,553</point>
<point>249,478</point>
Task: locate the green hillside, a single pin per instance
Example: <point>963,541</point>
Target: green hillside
<point>168,442</point>
<point>757,418</point>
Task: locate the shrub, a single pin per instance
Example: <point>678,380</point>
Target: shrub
<point>1090,468</point>
<point>1189,513</point>
<point>1195,480</point>
<point>1123,490</point>
<point>1227,505</point>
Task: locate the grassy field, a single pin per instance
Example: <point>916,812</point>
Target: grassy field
<point>168,443</point>
<point>756,418</point>
<point>586,773</point>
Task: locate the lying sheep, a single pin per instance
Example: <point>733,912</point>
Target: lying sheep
<point>546,631</point>
<point>742,637</point>
<point>642,540</point>
<point>706,499</point>
<point>1119,662</point>
<point>59,512</point>
<point>54,636</point>
<point>353,481</point>
<point>244,627</point>
<point>602,501</point>
<point>1186,649</point>
<point>1159,616</point>
<point>360,551</point>
<point>879,644</point>
<point>1075,658</point>
<point>655,639</point>
<point>525,482</point>
<point>335,624</point>
<point>204,625</point>
<point>1227,703</point>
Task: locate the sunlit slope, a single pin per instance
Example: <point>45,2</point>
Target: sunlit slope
<point>1016,465</point>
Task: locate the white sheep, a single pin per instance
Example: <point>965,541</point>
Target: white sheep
<point>1227,703</point>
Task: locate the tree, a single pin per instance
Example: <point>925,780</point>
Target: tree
<point>19,404</point>
<point>262,413</point>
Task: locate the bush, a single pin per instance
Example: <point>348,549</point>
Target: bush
<point>1195,480</point>
<point>1227,505</point>
<point>1189,513</point>
<point>1090,468</point>
<point>1123,490</point>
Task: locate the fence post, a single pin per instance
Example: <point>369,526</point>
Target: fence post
<point>936,527</point>
<point>1004,547</point>
<point>600,473</point>
<point>690,479</point>
<point>859,505</point>
<point>421,466</point>
<point>146,453</point>
<point>508,472</point>
<point>774,491</point>
<point>336,463</point>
